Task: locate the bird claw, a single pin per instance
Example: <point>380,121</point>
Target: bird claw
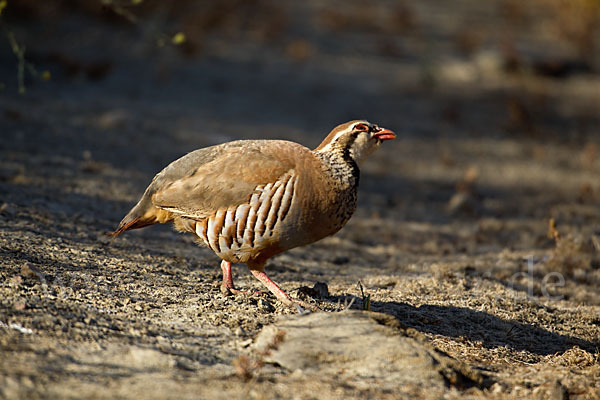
<point>304,308</point>
<point>301,311</point>
<point>227,291</point>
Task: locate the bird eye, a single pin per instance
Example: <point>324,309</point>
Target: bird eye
<point>361,128</point>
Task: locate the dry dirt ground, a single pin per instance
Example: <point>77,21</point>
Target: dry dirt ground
<point>471,292</point>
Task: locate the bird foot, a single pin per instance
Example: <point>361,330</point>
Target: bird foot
<point>282,296</point>
<point>303,307</point>
<point>227,291</point>
<point>230,290</point>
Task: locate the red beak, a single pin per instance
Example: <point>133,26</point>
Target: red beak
<point>384,134</point>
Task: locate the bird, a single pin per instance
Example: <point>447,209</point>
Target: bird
<point>249,200</point>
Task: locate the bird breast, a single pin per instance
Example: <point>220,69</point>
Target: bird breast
<point>239,231</point>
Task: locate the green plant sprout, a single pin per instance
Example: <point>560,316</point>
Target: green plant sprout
<point>19,51</point>
<point>366,299</point>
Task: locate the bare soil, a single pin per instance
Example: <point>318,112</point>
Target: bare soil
<point>452,242</point>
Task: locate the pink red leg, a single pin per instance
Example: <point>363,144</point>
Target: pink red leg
<point>272,286</point>
<point>227,286</point>
<point>280,294</point>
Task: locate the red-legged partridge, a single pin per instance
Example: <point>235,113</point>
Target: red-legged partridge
<point>249,200</point>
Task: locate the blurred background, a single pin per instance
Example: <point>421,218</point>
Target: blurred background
<point>492,68</point>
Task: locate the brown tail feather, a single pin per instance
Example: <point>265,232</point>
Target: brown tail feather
<point>143,218</point>
<point>133,224</point>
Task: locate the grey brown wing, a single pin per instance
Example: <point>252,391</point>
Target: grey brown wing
<point>203,180</point>
<point>226,180</point>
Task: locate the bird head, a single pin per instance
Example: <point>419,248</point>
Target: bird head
<point>355,139</point>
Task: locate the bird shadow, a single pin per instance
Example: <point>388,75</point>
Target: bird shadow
<point>469,325</point>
